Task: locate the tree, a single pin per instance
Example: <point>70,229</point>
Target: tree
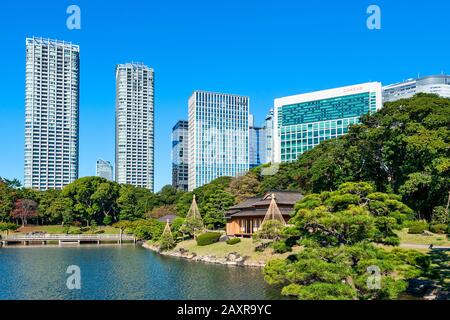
<point>162,211</point>
<point>7,198</point>
<point>214,205</point>
<point>245,186</point>
<point>350,215</point>
<point>166,241</point>
<point>24,209</point>
<point>8,226</point>
<point>345,272</point>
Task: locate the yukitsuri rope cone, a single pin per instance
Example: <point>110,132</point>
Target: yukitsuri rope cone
<point>273,213</point>
<point>193,223</point>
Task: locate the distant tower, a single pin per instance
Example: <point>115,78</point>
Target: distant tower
<point>104,169</point>
<point>180,155</point>
<point>51,113</point>
<point>135,125</point>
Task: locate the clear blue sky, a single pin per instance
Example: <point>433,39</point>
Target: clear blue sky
<point>263,49</point>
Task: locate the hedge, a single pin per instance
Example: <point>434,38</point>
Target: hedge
<point>208,238</point>
<point>233,241</point>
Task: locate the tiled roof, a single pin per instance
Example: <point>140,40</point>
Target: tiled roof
<point>252,206</point>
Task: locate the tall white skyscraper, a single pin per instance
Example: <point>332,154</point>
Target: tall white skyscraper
<point>104,169</point>
<point>218,136</point>
<point>51,113</point>
<point>135,125</point>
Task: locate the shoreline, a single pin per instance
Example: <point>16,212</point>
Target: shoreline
<point>230,260</point>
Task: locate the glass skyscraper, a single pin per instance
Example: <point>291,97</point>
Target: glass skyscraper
<point>51,113</point>
<point>218,136</point>
<point>135,125</point>
<point>303,121</point>
<point>104,169</point>
<point>257,144</point>
<point>180,155</point>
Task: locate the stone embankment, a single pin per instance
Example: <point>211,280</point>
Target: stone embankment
<point>233,258</point>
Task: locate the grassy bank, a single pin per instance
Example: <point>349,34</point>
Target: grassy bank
<point>245,248</point>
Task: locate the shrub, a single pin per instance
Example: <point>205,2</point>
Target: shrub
<point>417,227</point>
<point>233,241</point>
<point>439,228</point>
<point>280,247</point>
<point>391,241</point>
<point>208,238</point>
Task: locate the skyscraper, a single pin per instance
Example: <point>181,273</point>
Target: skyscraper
<point>256,144</point>
<point>303,121</point>
<point>438,84</point>
<point>218,136</point>
<point>135,125</point>
<point>268,126</point>
<point>51,113</point>
<point>180,155</point>
<point>104,169</point>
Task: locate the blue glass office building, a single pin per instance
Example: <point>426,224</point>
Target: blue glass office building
<point>218,136</point>
<point>303,121</point>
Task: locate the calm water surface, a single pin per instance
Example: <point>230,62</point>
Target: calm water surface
<point>127,272</point>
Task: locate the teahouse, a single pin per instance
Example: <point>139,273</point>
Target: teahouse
<point>246,218</point>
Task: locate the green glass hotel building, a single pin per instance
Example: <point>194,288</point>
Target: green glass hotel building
<point>303,121</point>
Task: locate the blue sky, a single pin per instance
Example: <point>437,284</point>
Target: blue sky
<point>263,49</point>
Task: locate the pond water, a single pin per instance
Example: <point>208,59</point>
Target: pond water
<point>122,272</point>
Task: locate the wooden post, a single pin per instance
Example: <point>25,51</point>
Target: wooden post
<point>120,237</point>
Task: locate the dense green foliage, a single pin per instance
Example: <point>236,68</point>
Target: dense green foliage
<point>319,273</point>
<point>351,214</point>
<point>208,238</point>
<point>417,227</point>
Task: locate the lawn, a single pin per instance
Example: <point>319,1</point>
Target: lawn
<point>245,248</point>
<point>435,239</point>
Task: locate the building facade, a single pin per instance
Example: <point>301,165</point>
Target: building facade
<point>303,121</point>
<point>51,113</point>
<point>104,169</point>
<point>256,144</point>
<point>135,125</point>
<point>218,136</point>
<point>437,84</point>
<point>180,156</point>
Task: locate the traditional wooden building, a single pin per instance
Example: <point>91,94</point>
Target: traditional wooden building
<point>246,218</point>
